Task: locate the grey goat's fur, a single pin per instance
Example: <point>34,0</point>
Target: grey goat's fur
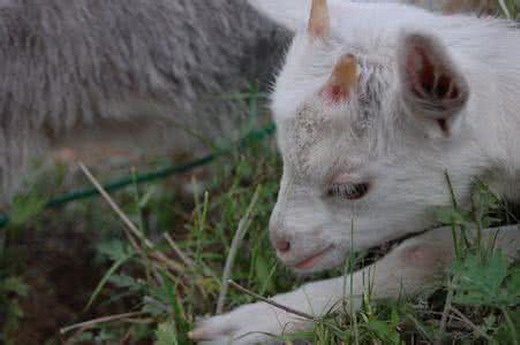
<point>105,70</point>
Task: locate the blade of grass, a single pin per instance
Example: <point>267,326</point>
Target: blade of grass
<point>131,229</point>
<point>243,226</point>
<point>477,330</point>
<point>511,324</point>
<point>273,303</point>
<point>505,9</point>
<point>100,320</point>
<point>105,278</point>
<point>188,261</point>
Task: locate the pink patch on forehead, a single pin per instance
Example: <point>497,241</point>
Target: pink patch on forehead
<point>335,93</point>
<point>342,81</point>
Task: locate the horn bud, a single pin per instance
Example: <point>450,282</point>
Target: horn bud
<point>344,77</point>
<point>319,22</point>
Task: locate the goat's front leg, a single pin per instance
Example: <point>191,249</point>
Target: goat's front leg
<point>412,267</point>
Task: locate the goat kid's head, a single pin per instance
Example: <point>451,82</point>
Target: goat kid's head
<point>370,118</point>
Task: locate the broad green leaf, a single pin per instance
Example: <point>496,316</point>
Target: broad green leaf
<point>14,285</point>
<point>166,334</point>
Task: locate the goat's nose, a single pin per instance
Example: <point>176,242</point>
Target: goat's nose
<point>280,241</point>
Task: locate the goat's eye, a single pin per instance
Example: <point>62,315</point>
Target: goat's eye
<point>349,191</point>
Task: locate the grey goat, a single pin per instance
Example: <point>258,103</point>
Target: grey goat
<point>98,75</point>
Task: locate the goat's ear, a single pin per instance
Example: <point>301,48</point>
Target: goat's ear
<point>433,89</point>
<point>292,14</point>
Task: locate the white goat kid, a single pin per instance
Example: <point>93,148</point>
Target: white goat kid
<point>375,104</point>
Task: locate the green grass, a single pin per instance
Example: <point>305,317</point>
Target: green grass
<point>202,229</point>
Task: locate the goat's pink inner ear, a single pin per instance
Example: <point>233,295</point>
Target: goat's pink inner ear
<point>430,79</point>
<point>342,80</point>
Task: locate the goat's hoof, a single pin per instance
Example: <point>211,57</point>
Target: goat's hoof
<point>257,323</point>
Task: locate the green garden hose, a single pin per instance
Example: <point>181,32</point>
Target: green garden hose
<point>252,136</point>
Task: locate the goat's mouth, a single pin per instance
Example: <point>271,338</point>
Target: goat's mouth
<point>312,260</point>
<point>329,257</point>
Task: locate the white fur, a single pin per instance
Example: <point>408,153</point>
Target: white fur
<point>398,147</point>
